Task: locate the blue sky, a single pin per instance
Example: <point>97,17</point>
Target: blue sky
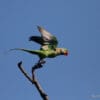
<point>76,24</point>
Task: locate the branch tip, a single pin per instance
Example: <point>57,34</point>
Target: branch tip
<point>20,63</point>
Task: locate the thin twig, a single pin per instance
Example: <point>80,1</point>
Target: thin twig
<point>23,71</point>
<point>33,80</point>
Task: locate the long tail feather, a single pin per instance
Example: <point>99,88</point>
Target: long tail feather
<point>17,49</point>
<point>29,51</point>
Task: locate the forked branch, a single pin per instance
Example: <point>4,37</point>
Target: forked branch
<point>33,80</point>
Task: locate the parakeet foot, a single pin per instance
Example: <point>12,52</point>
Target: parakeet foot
<point>42,61</point>
<point>38,65</point>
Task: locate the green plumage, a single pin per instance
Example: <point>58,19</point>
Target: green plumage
<point>48,44</point>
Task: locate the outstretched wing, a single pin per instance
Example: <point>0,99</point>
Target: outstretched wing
<point>37,39</point>
<point>45,35</point>
<point>45,39</point>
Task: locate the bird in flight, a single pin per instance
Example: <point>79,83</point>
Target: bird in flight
<point>48,47</point>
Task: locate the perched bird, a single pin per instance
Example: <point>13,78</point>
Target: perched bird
<point>48,47</point>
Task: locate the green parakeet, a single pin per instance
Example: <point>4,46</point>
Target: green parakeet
<point>48,44</point>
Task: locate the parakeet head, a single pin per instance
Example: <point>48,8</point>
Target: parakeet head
<point>64,51</point>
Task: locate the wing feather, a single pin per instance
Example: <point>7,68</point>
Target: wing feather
<point>46,35</point>
<point>37,39</point>
<point>45,39</point>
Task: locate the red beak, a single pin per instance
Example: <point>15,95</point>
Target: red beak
<point>66,53</point>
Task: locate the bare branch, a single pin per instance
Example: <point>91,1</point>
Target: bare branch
<point>33,80</point>
<point>23,71</point>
